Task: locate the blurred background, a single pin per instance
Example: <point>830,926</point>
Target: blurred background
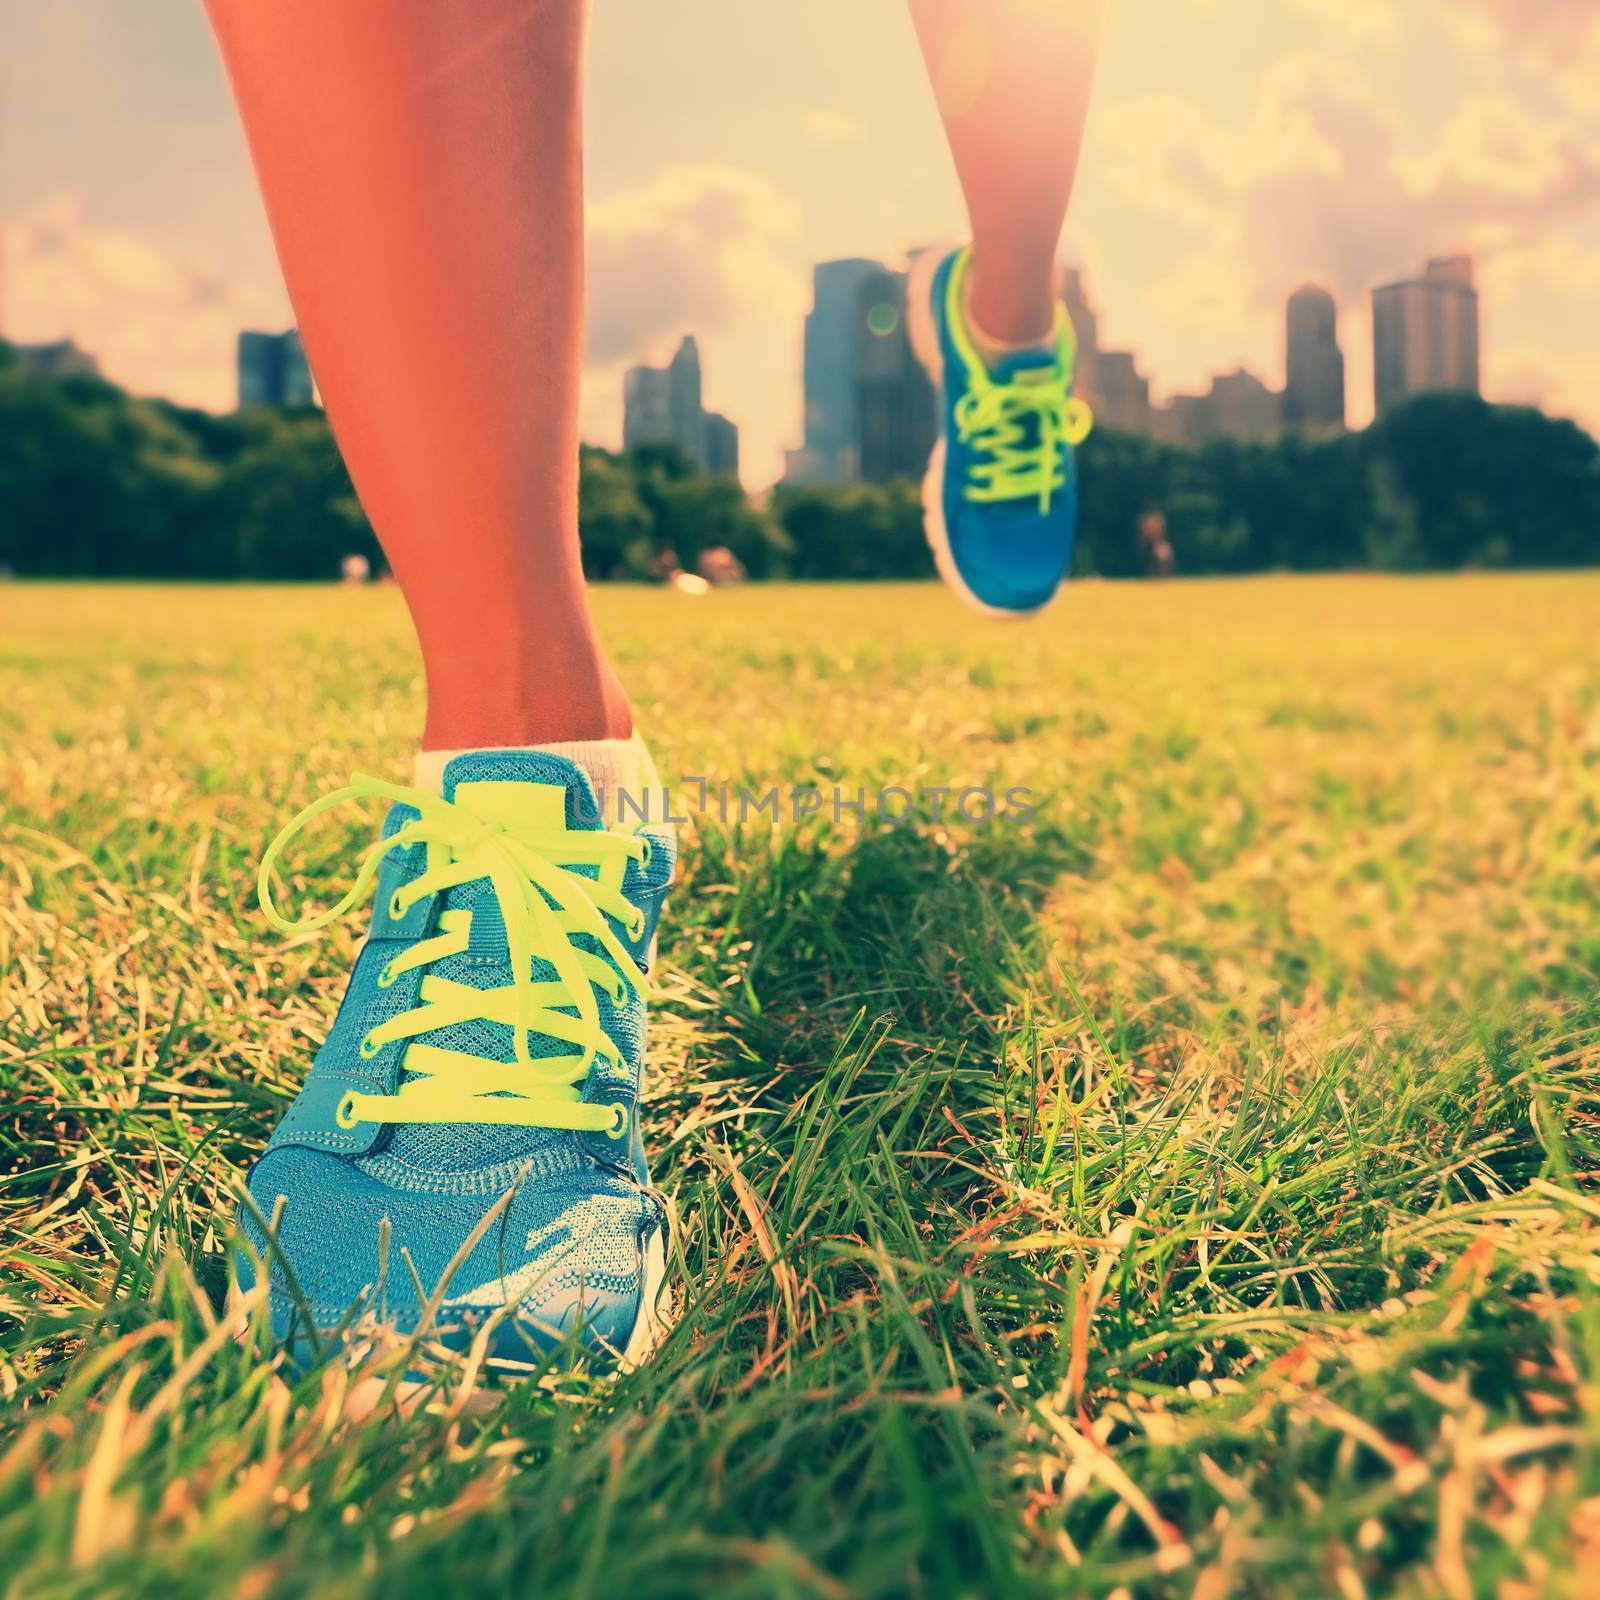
<point>1333,265</point>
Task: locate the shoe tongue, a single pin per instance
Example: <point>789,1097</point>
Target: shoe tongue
<point>523,788</point>
<point>1025,367</point>
<point>537,791</point>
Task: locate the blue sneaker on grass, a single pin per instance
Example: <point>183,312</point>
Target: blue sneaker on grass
<point>1000,501</point>
<point>466,1149</point>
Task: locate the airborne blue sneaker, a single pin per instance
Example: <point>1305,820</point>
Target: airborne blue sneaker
<point>1000,501</point>
<point>465,1154</point>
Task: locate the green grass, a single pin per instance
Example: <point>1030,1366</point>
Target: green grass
<point>1190,1191</point>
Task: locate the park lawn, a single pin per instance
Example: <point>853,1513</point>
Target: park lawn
<point>1188,1190</point>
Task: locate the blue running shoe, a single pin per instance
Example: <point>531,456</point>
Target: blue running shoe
<point>1000,501</point>
<point>466,1152</point>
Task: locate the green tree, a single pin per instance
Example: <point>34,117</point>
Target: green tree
<point>98,483</point>
<point>617,527</point>
<point>94,483</point>
<point>285,506</point>
<point>855,531</point>
<point>1491,486</point>
<point>1121,476</point>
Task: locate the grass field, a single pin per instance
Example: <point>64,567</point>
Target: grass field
<point>1188,1191</point>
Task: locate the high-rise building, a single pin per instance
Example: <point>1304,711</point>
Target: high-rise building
<point>1313,393</point>
<point>722,446</point>
<point>895,405</point>
<point>646,407</point>
<point>1086,325</point>
<point>273,371</point>
<point>831,452</point>
<point>1108,380</point>
<point>686,412</point>
<point>1243,407</point>
<point>1120,396</point>
<point>870,411</point>
<point>1425,333</point>
<point>1238,405</point>
<point>664,405</point>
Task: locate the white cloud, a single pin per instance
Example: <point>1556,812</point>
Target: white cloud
<point>158,320</point>
<point>707,250</point>
<point>1318,185</point>
<point>702,249</point>
<point>692,251</point>
<point>1564,383</point>
<point>1558,265</point>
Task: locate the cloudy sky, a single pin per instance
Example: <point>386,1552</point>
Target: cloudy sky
<point>1236,148</point>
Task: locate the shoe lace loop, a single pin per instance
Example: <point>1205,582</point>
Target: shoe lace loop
<point>544,906</point>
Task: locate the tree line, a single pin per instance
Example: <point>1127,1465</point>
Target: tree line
<point>95,482</point>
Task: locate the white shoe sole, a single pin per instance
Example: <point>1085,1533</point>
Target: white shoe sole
<point>653,1324</point>
<point>925,342</point>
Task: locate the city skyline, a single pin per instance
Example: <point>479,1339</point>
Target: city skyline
<point>869,410</point>
<point>869,414</point>
<point>1340,143</point>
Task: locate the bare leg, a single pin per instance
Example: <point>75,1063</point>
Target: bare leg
<point>422,167</point>
<point>1012,80</point>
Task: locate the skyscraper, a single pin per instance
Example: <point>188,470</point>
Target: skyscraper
<point>830,453</point>
<point>1238,405</point>
<point>1425,333</point>
<point>686,414</point>
<point>664,405</point>
<point>1243,407</point>
<point>870,411</point>
<point>1109,381</point>
<point>1086,327</point>
<point>894,401</point>
<point>1119,394</point>
<point>1313,394</point>
<point>273,370</point>
<point>646,406</point>
<point>721,446</point>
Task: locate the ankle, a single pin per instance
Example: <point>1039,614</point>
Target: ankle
<point>1009,311</point>
<point>555,700</point>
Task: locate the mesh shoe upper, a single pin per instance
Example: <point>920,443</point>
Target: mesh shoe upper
<point>568,1246</point>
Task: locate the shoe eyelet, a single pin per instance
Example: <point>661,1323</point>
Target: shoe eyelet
<point>386,975</point>
<point>396,910</point>
<point>619,995</point>
<point>345,1115</point>
<point>619,1120</point>
<point>636,926</point>
<point>646,857</point>
<point>368,1048</point>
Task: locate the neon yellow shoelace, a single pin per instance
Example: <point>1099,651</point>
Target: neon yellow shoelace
<point>515,836</point>
<point>992,418</point>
